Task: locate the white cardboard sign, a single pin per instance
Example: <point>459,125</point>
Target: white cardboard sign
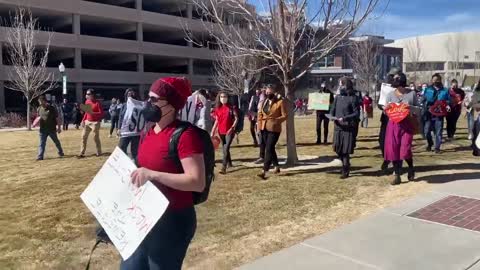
<point>384,91</point>
<point>125,212</point>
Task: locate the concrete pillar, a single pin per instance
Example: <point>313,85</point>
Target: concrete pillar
<point>189,10</point>
<point>139,32</point>
<point>76,24</point>
<point>138,4</point>
<point>140,63</point>
<point>79,92</point>
<point>190,67</point>
<point>78,58</point>
<point>2,97</point>
<point>142,91</point>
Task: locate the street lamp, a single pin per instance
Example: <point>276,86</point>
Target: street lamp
<point>61,68</point>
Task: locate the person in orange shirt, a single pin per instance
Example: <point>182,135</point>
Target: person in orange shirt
<point>91,122</point>
<point>270,118</point>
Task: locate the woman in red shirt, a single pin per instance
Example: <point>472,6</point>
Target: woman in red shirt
<point>167,243</point>
<point>226,119</point>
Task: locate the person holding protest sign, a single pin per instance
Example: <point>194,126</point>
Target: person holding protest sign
<point>321,117</point>
<point>92,120</point>
<point>166,244</point>
<point>270,118</point>
<point>384,118</point>
<point>345,113</point>
<point>130,123</point>
<point>401,127</point>
<point>226,119</point>
<point>114,111</point>
<point>436,107</point>
<point>49,127</point>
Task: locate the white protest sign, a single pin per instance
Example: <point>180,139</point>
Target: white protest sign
<point>133,121</point>
<point>125,212</point>
<point>189,111</point>
<point>384,91</point>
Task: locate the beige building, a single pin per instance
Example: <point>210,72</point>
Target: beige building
<point>110,45</point>
<point>454,55</point>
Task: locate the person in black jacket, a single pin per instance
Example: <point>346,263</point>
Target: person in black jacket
<point>345,111</point>
<point>126,140</point>
<point>321,117</point>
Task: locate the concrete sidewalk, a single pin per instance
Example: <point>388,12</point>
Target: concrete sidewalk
<point>436,230</point>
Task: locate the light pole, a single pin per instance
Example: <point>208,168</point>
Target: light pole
<point>61,68</point>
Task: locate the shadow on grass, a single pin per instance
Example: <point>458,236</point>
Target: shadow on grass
<point>329,170</point>
<point>445,178</point>
<point>429,168</point>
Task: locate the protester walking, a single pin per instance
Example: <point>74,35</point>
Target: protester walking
<point>322,118</point>
<point>67,113</point>
<point>399,136</point>
<point>367,109</point>
<point>226,119</point>
<point>167,242</point>
<point>128,130</point>
<point>270,118</point>
<point>91,121</point>
<point>77,115</point>
<point>49,127</point>
<point>253,114</point>
<point>114,112</point>
<point>261,143</point>
<point>434,122</point>
<point>457,95</point>
<point>345,111</point>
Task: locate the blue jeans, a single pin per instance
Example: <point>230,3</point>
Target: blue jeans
<point>43,142</point>
<point>164,248</point>
<point>434,124</point>
<point>470,121</point>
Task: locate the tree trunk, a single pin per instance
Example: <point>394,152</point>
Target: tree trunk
<point>29,122</point>
<point>292,157</point>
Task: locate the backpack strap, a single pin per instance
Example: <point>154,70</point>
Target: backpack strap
<point>173,143</point>
<point>87,267</point>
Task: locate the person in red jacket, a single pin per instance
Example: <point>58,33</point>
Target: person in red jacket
<point>91,121</point>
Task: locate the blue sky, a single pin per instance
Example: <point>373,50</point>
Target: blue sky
<point>406,18</point>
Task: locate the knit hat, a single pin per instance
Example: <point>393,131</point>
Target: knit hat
<point>175,90</point>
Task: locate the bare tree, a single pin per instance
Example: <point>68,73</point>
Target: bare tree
<point>235,73</point>
<point>413,56</point>
<point>455,49</point>
<point>29,74</point>
<point>286,38</point>
<point>363,53</point>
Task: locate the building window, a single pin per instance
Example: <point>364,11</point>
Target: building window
<point>328,61</point>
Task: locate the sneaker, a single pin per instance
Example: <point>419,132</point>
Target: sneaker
<point>61,155</point>
<point>81,156</point>
<point>277,170</point>
<point>411,174</point>
<point>437,151</point>
<point>110,136</point>
<point>39,158</point>
<point>258,161</point>
<point>98,154</point>
<point>470,136</point>
<point>429,148</point>
<point>223,171</point>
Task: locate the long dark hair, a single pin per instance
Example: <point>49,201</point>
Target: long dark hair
<point>218,104</point>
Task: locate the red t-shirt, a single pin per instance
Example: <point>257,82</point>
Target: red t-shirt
<point>97,111</point>
<point>225,118</point>
<point>152,155</point>
<point>367,103</point>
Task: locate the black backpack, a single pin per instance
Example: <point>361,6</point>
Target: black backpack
<point>208,157</point>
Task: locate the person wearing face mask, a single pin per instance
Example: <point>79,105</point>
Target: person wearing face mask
<point>270,118</point>
<point>226,119</point>
<point>91,122</point>
<point>166,244</point>
<point>436,92</point>
<point>345,111</point>
<point>252,115</point>
<point>457,95</point>
<point>127,122</point>
<point>321,117</point>
<point>383,126</point>
<point>399,136</point>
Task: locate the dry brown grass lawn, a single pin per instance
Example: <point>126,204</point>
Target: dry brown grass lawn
<point>46,226</point>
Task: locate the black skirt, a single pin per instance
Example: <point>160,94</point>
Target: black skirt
<point>344,141</point>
